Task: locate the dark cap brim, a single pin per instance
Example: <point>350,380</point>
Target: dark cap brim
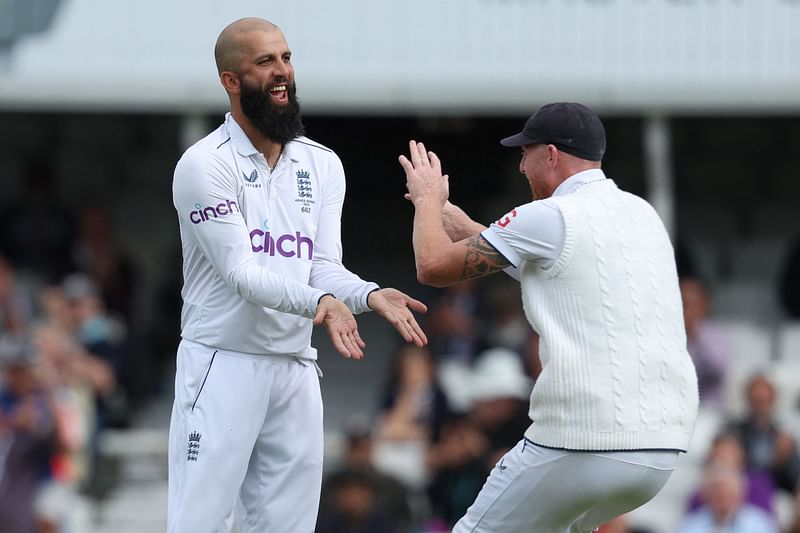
<point>520,139</point>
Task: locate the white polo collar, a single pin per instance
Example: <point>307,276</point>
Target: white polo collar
<point>576,180</point>
<point>243,144</point>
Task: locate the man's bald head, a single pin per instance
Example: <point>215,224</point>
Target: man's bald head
<point>230,43</point>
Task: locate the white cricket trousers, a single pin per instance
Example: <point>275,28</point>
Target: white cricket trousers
<point>245,435</point>
<point>542,490</point>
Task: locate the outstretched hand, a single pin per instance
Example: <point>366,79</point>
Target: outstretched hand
<point>395,307</point>
<point>341,326</point>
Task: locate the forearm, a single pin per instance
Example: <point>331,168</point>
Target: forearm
<point>260,286</point>
<point>335,278</point>
<point>457,224</point>
<point>430,241</point>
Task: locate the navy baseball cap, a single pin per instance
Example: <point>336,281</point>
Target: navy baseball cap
<point>572,128</point>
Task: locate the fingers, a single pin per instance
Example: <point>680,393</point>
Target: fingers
<point>347,342</point>
<point>408,328</point>
<point>435,163</point>
<point>420,157</point>
<point>416,305</point>
<point>414,152</point>
<point>420,339</point>
<point>406,164</point>
<point>351,341</point>
<point>340,346</point>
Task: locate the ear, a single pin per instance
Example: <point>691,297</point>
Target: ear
<point>552,155</point>
<point>230,81</point>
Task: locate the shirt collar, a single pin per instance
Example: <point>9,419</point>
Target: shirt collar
<point>576,180</point>
<point>239,137</point>
<point>243,144</point>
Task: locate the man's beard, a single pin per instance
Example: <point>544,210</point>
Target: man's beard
<point>278,123</point>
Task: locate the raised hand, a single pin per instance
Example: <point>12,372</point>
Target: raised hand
<point>424,178</point>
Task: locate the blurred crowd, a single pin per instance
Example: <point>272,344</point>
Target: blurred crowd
<point>447,414</point>
<point>66,308</point>
<point>451,410</point>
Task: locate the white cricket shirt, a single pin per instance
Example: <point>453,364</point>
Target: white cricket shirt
<point>538,229</point>
<point>260,247</point>
<point>604,299</point>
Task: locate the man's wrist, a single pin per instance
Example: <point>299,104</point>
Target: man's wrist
<point>427,203</point>
<point>370,294</point>
<point>319,300</point>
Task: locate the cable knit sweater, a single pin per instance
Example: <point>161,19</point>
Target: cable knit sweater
<point>616,374</point>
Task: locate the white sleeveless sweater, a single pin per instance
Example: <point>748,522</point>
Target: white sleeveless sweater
<point>615,371</point>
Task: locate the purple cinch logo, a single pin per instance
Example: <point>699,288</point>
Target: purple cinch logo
<point>213,211</point>
<point>288,245</point>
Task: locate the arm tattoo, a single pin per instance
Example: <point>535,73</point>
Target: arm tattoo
<point>482,259</point>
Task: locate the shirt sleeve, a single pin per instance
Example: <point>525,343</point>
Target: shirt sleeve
<point>327,271</point>
<point>531,232</point>
<point>204,184</point>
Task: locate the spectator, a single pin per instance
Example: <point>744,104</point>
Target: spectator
<point>413,411</point>
<point>768,447</point>
<point>353,508</point>
<point>95,253</point>
<point>15,307</point>
<point>726,450</point>
<point>78,381</point>
<point>103,336</point>
<point>414,404</point>
<point>507,326</point>
<point>725,510</point>
<point>27,437</point>
<point>707,345</point>
<point>453,323</point>
<point>472,444</point>
<point>390,496</point>
<point>56,310</point>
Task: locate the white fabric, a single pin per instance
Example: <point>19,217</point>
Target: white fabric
<point>538,229</point>
<point>260,247</point>
<point>544,490</point>
<point>615,371</point>
<point>265,459</point>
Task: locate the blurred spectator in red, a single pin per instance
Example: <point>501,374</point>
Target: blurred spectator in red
<point>471,445</point>
<point>27,437</point>
<point>79,382</point>
<point>390,497</point>
<point>768,447</point>
<point>727,451</point>
<point>16,307</point>
<point>725,508</point>
<point>95,253</point>
<point>707,346</point>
